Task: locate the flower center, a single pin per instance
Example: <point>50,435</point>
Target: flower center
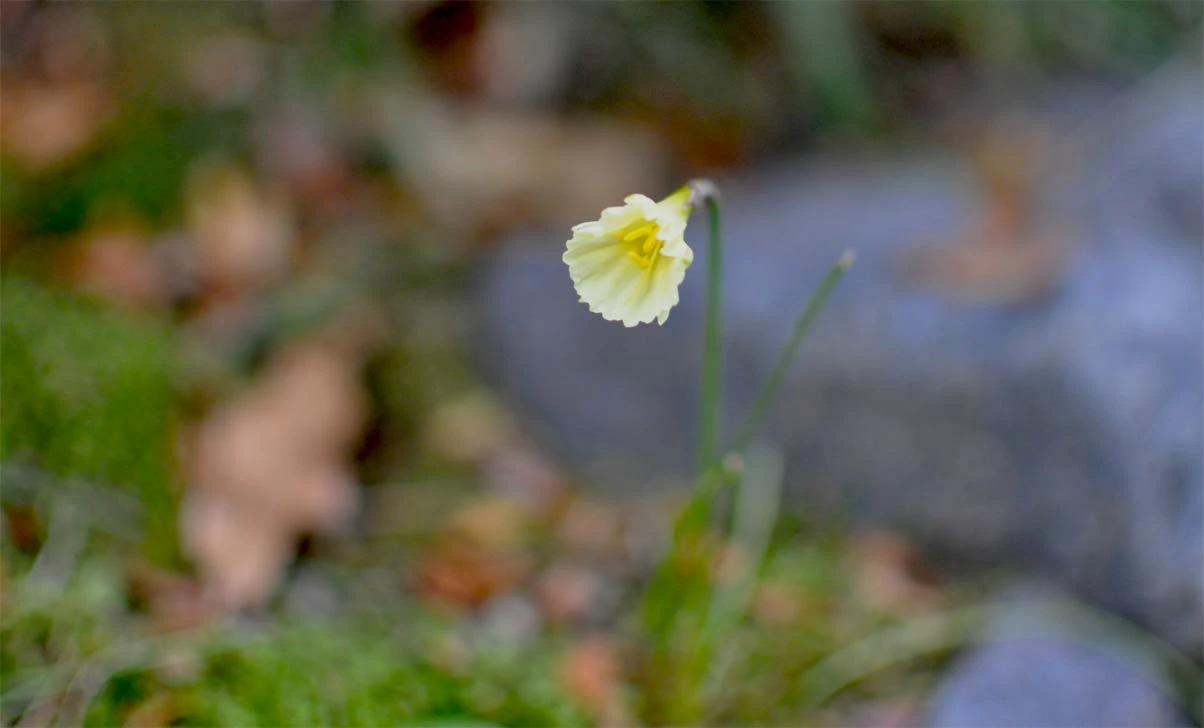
<point>642,244</point>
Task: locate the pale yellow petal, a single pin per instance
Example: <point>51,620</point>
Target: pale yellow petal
<point>618,271</point>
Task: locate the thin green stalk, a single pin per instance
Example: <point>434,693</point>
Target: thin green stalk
<point>756,412</point>
<point>712,366</point>
<point>757,497</point>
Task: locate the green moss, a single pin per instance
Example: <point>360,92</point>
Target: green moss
<point>86,395</point>
<point>345,673</point>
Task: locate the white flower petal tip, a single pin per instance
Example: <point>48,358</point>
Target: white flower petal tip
<point>628,264</point>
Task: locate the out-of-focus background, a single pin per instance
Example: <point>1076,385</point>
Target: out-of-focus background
<point>303,424</point>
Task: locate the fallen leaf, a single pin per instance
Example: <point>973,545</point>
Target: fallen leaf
<point>172,601</point>
<point>116,264</point>
<point>494,523</point>
<point>25,527</point>
<point>590,527</point>
<point>567,592</point>
<point>591,671</point>
<point>244,233</point>
<point>45,124</point>
<point>241,551</point>
<point>463,574</point>
<point>270,466</point>
<point>890,576</point>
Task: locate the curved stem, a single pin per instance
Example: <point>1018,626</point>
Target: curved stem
<point>756,412</point>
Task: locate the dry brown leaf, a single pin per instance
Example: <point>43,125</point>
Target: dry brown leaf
<point>172,601</point>
<point>241,552</point>
<point>890,576</point>
<point>244,234</point>
<point>592,671</point>
<point>270,466</point>
<point>566,592</point>
<point>45,124</point>
<point>494,523</point>
<point>116,263</point>
<point>25,527</point>
<point>446,36</point>
<point>464,574</point>
<point>591,527</point>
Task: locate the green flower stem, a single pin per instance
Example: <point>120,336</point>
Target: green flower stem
<point>756,412</point>
<point>712,365</point>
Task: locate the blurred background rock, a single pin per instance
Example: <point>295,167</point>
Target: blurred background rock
<point>302,423</point>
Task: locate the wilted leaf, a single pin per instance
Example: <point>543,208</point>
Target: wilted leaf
<point>890,576</point>
<point>495,523</point>
<point>464,574</point>
<point>591,527</point>
<point>172,601</point>
<point>567,592</point>
<point>592,672</point>
<point>47,124</point>
<point>116,264</point>
<point>272,465</point>
<point>244,233</point>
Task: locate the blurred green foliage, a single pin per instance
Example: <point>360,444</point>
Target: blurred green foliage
<point>138,171</point>
<point>88,398</point>
<point>351,674</point>
<point>376,668</point>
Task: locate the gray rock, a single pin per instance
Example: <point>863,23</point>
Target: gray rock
<point>1036,673</point>
<point>1048,682</point>
<point>1061,436</point>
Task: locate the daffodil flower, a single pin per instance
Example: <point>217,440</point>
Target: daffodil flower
<point>628,264</point>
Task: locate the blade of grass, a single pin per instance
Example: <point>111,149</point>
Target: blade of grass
<point>893,646</point>
<point>806,321</point>
<point>758,499</point>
